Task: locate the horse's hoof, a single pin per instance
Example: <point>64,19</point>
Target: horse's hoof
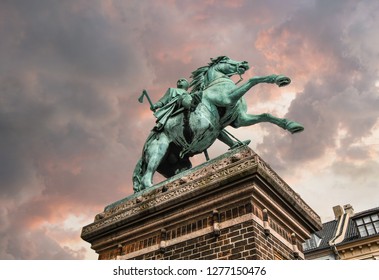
<point>246,142</point>
<point>282,81</point>
<point>145,184</point>
<point>294,127</point>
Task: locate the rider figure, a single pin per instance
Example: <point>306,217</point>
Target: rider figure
<point>175,98</point>
<point>171,100</point>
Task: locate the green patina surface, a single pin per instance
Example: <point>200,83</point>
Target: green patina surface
<point>189,122</point>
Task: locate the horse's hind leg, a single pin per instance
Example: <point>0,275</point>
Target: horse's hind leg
<point>153,155</point>
<point>245,119</point>
<point>138,171</point>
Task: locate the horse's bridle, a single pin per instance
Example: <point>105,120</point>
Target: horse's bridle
<point>237,65</point>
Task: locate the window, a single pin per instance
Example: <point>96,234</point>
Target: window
<point>368,225</point>
<point>312,243</point>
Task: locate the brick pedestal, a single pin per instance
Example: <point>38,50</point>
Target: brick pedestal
<point>232,207</point>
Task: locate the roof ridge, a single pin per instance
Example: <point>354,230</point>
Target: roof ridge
<point>366,211</point>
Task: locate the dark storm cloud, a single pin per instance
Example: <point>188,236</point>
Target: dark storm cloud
<point>64,35</point>
<point>37,245</point>
<point>62,71</point>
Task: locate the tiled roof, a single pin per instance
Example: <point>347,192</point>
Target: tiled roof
<point>351,231</point>
<point>327,233</point>
<point>329,230</point>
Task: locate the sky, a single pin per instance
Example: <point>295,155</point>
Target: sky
<point>71,128</point>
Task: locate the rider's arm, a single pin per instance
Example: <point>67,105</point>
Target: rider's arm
<point>164,100</point>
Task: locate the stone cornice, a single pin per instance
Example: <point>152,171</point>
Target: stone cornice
<point>286,191</point>
<point>209,175</point>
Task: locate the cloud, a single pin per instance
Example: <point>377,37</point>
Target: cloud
<point>36,245</point>
<point>339,92</point>
<point>61,87</point>
<point>328,50</point>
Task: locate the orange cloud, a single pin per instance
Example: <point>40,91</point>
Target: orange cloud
<point>293,53</point>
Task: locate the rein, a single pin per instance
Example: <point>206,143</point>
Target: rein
<point>218,81</point>
<point>240,80</point>
<point>239,73</point>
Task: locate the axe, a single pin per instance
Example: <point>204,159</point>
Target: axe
<point>140,99</point>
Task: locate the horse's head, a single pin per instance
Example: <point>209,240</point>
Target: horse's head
<point>229,66</point>
<point>203,76</point>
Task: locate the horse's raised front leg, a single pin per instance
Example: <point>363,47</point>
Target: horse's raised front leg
<point>237,93</point>
<point>155,151</point>
<point>245,119</point>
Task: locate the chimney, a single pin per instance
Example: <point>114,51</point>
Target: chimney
<point>343,218</point>
<point>338,211</point>
<point>349,209</point>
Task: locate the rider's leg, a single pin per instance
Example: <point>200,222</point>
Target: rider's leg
<point>154,154</point>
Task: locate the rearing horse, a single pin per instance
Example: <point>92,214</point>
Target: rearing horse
<point>191,132</point>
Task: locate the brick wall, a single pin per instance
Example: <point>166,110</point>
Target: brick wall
<point>243,241</point>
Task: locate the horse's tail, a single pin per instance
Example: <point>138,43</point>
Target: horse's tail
<point>137,174</point>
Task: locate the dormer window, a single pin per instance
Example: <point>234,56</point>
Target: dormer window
<point>368,225</point>
<point>312,243</point>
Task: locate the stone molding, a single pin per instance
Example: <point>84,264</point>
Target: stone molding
<point>212,174</point>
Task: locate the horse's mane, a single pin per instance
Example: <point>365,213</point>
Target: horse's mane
<point>200,77</point>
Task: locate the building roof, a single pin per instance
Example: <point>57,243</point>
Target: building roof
<point>329,229</point>
<point>366,212</point>
<point>351,232</point>
<point>327,233</point>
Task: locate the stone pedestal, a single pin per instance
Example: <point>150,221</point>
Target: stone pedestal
<point>232,207</point>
